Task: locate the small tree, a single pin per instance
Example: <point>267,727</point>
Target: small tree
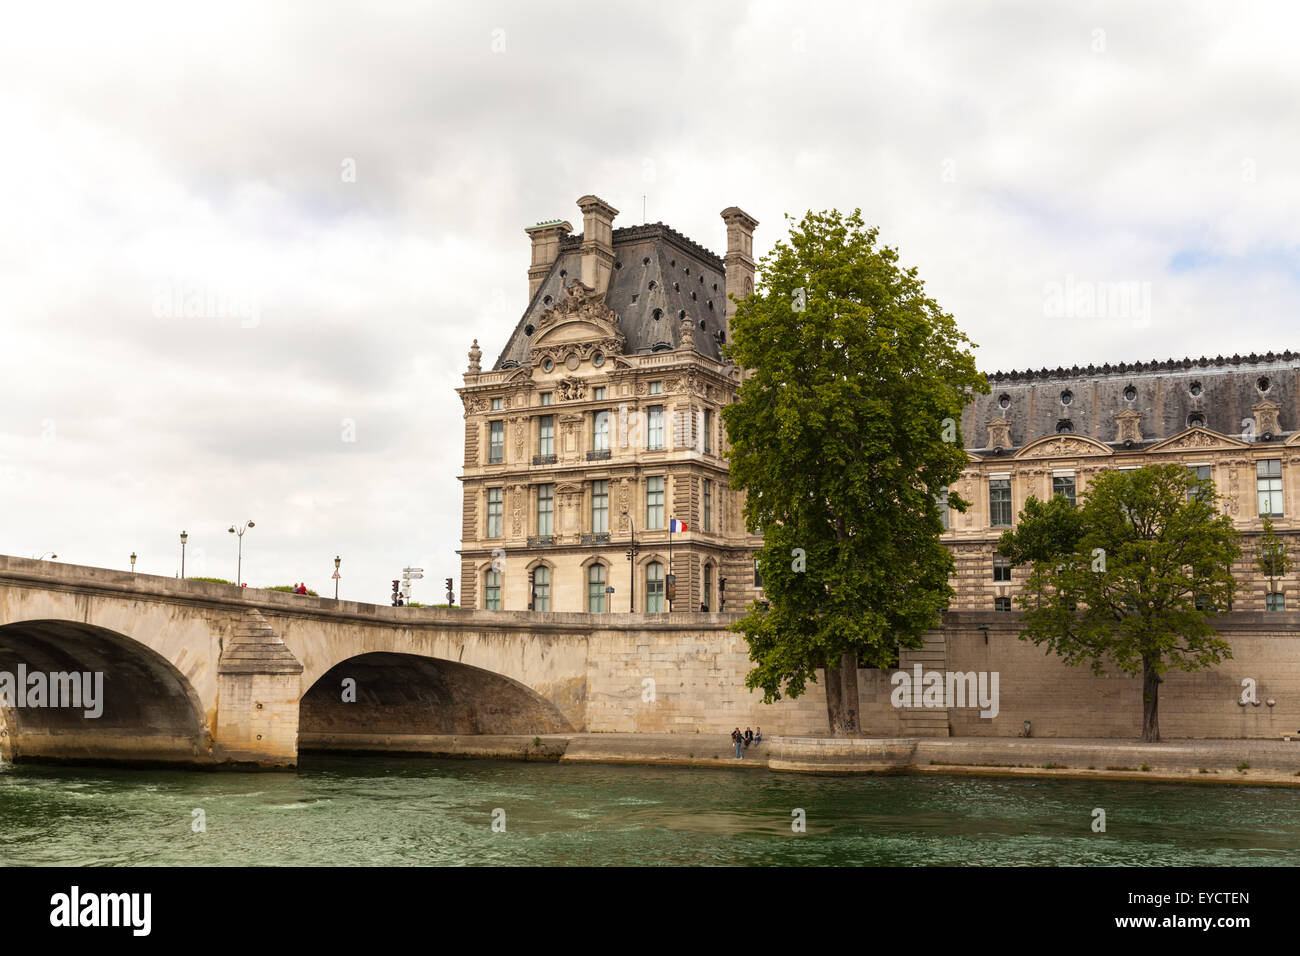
<point>1271,557</point>
<point>1135,577</point>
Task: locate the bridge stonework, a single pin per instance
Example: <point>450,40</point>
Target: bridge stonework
<point>204,673</point>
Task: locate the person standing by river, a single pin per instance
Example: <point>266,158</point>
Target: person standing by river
<point>738,739</point>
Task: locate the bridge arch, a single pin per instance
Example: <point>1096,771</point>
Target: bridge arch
<point>382,700</point>
<point>139,707</point>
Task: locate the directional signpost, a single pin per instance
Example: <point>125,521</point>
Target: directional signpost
<point>409,575</point>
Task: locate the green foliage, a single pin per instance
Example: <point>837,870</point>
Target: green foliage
<point>1271,558</point>
<point>214,581</point>
<point>1133,580</point>
<point>845,429</point>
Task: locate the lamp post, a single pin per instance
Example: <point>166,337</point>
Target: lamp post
<point>239,567</point>
<point>133,562</point>
<point>184,537</point>
<point>337,562</point>
<point>632,552</point>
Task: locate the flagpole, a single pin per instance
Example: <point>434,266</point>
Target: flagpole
<point>671,522</point>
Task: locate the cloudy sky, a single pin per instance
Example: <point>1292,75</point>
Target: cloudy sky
<point>244,248</point>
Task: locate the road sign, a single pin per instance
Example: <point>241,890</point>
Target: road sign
<point>412,569</point>
<point>414,577</point>
<point>336,575</point>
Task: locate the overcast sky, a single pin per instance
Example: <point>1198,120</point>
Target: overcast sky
<point>1020,155</point>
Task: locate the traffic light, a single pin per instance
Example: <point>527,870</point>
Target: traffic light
<point>722,594</point>
<point>451,597</point>
<point>395,586</point>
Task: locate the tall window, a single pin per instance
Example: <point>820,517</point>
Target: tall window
<point>1201,472</point>
<point>758,575</point>
<point>654,587</point>
<point>541,588</point>
<point>706,598</point>
<point>942,498</point>
<point>1063,485</point>
<point>708,432</point>
<point>494,513</point>
<point>496,443</point>
<point>545,509</point>
<point>600,432</point>
<point>596,589</point>
<point>655,427</point>
<point>600,506</point>
<point>492,590</point>
<point>546,435</point>
<point>1000,502</point>
<point>708,505</point>
<point>1269,482</point>
<point>654,502</point>
<point>1001,568</point>
<point>1275,602</point>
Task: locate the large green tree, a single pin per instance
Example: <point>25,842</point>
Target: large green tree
<point>1132,579</point>
<point>845,431</point>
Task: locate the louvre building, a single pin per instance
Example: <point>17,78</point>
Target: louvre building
<point>599,424</point>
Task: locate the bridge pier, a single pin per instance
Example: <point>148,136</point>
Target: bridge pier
<point>258,685</point>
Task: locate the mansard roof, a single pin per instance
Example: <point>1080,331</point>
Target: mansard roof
<point>1170,397</point>
<point>659,275</point>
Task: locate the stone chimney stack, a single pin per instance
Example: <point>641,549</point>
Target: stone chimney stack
<point>597,242</point>
<point>546,238</point>
<point>739,260</point>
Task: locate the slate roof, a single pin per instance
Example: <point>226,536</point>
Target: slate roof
<point>686,278</point>
<point>1162,392</point>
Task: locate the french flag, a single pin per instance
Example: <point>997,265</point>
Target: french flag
<point>674,526</point>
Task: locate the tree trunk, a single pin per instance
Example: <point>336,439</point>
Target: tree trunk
<point>1150,702</point>
<point>834,700</point>
<point>849,693</point>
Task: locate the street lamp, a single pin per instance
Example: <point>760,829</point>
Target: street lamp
<point>133,562</point>
<point>337,562</point>
<point>632,552</point>
<point>184,537</point>
<point>239,567</point>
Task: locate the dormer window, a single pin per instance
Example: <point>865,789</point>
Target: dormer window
<point>1064,426</point>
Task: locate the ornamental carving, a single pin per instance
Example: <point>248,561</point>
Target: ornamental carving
<point>999,433</point>
<point>1063,447</point>
<point>475,405</point>
<point>581,303</point>
<point>571,389</point>
<point>1128,426</point>
<point>1266,417</point>
<point>1195,439</point>
<point>520,429</point>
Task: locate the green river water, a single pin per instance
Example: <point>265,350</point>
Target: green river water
<point>412,811</point>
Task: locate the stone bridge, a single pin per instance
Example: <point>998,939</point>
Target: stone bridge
<point>197,672</point>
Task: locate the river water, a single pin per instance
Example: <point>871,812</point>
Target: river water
<point>415,811</point>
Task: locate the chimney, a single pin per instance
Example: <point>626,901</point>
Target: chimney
<point>597,242</point>
<point>739,260</point>
<point>546,238</point>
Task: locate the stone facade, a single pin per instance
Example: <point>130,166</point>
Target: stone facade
<point>648,335</point>
<point>601,418</point>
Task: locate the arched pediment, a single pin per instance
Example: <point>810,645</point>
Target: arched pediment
<point>1064,446</point>
<point>580,323</point>
<point>1198,437</point>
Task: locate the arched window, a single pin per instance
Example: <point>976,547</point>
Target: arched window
<point>706,598</point>
<point>492,590</point>
<point>654,587</point>
<point>596,589</point>
<point>541,588</point>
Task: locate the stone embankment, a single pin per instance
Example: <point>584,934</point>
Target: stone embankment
<point>1254,762</point>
